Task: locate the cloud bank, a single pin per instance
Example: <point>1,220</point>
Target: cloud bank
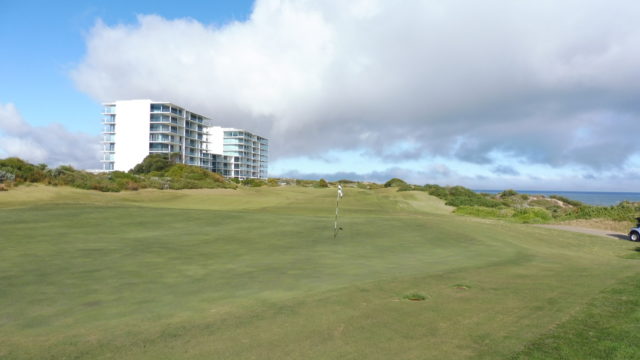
<point>52,144</point>
<point>539,81</point>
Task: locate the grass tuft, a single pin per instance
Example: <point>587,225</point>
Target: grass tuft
<point>414,296</point>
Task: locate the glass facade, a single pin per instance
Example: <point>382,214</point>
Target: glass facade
<point>247,154</point>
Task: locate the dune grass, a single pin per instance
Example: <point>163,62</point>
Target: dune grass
<point>256,273</point>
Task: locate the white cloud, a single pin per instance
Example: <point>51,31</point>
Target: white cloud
<point>543,81</point>
<point>51,144</point>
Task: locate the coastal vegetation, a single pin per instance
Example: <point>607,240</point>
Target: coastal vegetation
<point>529,209</point>
<point>158,171</point>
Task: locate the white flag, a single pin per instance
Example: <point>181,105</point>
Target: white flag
<point>340,190</point>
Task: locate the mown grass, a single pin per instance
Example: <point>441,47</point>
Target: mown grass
<point>255,273</point>
<point>608,327</point>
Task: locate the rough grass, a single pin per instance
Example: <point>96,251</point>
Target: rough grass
<point>255,273</point>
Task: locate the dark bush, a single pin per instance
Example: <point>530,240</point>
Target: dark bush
<point>155,162</point>
<point>395,182</point>
<point>508,193</point>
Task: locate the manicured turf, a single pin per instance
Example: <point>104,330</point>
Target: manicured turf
<point>608,327</point>
<point>256,273</point>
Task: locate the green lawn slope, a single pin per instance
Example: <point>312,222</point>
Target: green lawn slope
<point>255,273</point>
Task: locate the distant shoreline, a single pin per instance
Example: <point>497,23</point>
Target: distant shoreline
<point>601,198</point>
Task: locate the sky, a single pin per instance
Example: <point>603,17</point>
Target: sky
<point>533,94</point>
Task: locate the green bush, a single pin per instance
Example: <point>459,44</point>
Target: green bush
<point>322,183</point>
<point>395,182</point>
<point>23,171</point>
<point>152,173</point>
<point>622,212</point>
<point>155,162</point>
<point>508,193</point>
<point>532,215</point>
<point>437,191</point>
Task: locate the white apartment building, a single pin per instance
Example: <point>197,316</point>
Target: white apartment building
<point>134,129</point>
<point>244,155</point>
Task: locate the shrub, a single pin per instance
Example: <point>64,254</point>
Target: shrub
<point>182,171</point>
<point>532,215</point>
<point>24,171</point>
<point>6,176</point>
<point>437,191</point>
<point>155,162</point>
<point>395,182</point>
<point>508,193</point>
<point>132,186</point>
<point>322,183</point>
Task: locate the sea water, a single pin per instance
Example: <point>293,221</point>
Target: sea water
<point>587,197</point>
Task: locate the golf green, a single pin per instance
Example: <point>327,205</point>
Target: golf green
<point>257,274</point>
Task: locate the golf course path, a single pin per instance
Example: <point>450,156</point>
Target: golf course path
<point>589,231</point>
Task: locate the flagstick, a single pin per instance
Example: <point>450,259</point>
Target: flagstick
<point>335,224</point>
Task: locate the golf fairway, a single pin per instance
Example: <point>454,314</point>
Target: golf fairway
<point>257,274</point>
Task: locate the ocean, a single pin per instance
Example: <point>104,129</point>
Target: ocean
<point>587,197</point>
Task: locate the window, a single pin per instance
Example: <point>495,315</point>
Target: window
<point>158,147</point>
<point>159,127</point>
